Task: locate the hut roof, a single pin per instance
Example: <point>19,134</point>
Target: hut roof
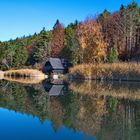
<point>56,90</point>
<point>56,63</point>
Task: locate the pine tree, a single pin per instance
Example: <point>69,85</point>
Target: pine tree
<point>71,45</point>
<point>113,56</point>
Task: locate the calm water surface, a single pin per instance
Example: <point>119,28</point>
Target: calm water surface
<point>84,111</point>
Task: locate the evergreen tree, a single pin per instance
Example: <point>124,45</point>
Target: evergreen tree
<point>71,48</point>
<point>42,49</point>
<point>113,56</point>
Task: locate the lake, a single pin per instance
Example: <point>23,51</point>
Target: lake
<point>68,111</point>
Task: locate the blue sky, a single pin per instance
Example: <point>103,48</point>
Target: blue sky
<point>24,17</point>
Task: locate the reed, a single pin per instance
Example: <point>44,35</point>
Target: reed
<point>115,71</point>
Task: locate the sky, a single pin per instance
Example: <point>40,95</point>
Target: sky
<point>25,17</point>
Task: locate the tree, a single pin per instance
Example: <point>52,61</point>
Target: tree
<point>20,57</point>
<point>113,56</point>
<point>103,19</point>
<point>14,56</point>
<point>113,30</point>
<point>71,44</point>
<point>42,48</point>
<point>93,47</point>
<point>58,34</point>
<point>129,19</point>
<point>122,29</point>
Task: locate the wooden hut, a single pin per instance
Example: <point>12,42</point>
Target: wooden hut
<point>54,65</point>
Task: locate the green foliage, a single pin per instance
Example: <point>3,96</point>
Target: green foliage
<point>13,56</point>
<point>113,56</point>
<point>71,48</point>
<point>113,103</point>
<point>103,17</point>
<point>39,51</point>
<point>20,56</point>
<point>42,49</point>
<point>15,53</point>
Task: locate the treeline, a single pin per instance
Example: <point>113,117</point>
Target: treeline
<point>109,37</point>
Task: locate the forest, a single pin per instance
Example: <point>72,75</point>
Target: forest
<point>106,38</point>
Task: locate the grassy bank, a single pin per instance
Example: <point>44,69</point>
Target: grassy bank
<point>115,71</point>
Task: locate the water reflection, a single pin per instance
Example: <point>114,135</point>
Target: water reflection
<point>103,110</point>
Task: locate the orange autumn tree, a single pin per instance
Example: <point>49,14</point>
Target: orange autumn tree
<point>58,36</point>
<point>93,47</point>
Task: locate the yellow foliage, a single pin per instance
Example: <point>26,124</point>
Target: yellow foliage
<point>91,40</point>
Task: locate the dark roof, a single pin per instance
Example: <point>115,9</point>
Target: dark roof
<point>56,90</point>
<point>56,63</point>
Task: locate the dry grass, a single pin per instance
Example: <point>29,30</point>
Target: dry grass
<point>116,71</point>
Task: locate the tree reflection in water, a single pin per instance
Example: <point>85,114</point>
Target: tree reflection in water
<point>107,110</point>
